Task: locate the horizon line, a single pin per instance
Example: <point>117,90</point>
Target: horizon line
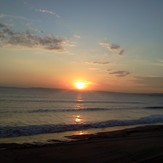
<point>82,91</point>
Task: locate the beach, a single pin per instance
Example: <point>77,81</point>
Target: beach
<point>140,144</point>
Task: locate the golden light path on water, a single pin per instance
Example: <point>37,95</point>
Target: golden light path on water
<point>77,118</point>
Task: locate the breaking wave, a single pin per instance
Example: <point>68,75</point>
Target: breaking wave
<point>154,107</point>
<point>16,131</point>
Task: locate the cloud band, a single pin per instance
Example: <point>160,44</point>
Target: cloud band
<point>28,39</point>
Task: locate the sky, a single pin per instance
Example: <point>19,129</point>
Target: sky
<point>111,45</point>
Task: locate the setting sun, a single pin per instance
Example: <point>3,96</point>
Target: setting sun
<point>80,85</point>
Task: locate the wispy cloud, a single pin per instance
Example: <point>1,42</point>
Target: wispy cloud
<point>2,25</point>
<point>159,62</point>
<point>77,36</point>
<point>99,62</point>
<point>14,17</point>
<point>11,37</point>
<point>48,12</point>
<point>112,47</point>
<point>119,73</point>
<point>150,81</point>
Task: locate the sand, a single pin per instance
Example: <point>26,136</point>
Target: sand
<point>141,144</point>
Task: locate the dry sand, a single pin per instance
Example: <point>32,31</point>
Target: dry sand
<point>142,144</point>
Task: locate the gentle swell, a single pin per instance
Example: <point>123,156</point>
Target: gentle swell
<point>67,110</point>
<point>57,110</point>
<point>16,131</point>
<point>69,101</point>
<point>154,107</point>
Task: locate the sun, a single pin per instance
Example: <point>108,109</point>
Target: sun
<point>81,85</point>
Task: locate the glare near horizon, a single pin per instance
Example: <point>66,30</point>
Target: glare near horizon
<point>84,45</point>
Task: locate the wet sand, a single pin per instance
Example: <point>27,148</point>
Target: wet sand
<point>141,144</point>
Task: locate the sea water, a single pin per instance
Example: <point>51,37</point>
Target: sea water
<point>36,114</point>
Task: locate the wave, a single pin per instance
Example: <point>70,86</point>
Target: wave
<point>56,110</point>
<point>16,131</point>
<point>68,110</point>
<point>69,101</point>
<point>154,107</point>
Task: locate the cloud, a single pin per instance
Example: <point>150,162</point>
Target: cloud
<point>77,36</point>
<point>159,62</point>
<point>112,47</point>
<point>14,17</point>
<point>102,63</point>
<point>98,62</point>
<point>151,81</point>
<point>2,25</point>
<point>120,73</point>
<point>48,12</point>
<point>8,36</point>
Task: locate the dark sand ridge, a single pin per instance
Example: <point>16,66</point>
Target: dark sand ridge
<point>141,144</point>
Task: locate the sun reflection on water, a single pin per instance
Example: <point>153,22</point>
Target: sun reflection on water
<point>78,106</point>
<point>78,119</point>
<point>79,102</point>
<point>79,97</point>
<point>81,133</point>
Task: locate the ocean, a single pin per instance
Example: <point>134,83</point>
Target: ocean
<point>38,115</point>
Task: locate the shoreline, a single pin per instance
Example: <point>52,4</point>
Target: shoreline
<point>139,144</point>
